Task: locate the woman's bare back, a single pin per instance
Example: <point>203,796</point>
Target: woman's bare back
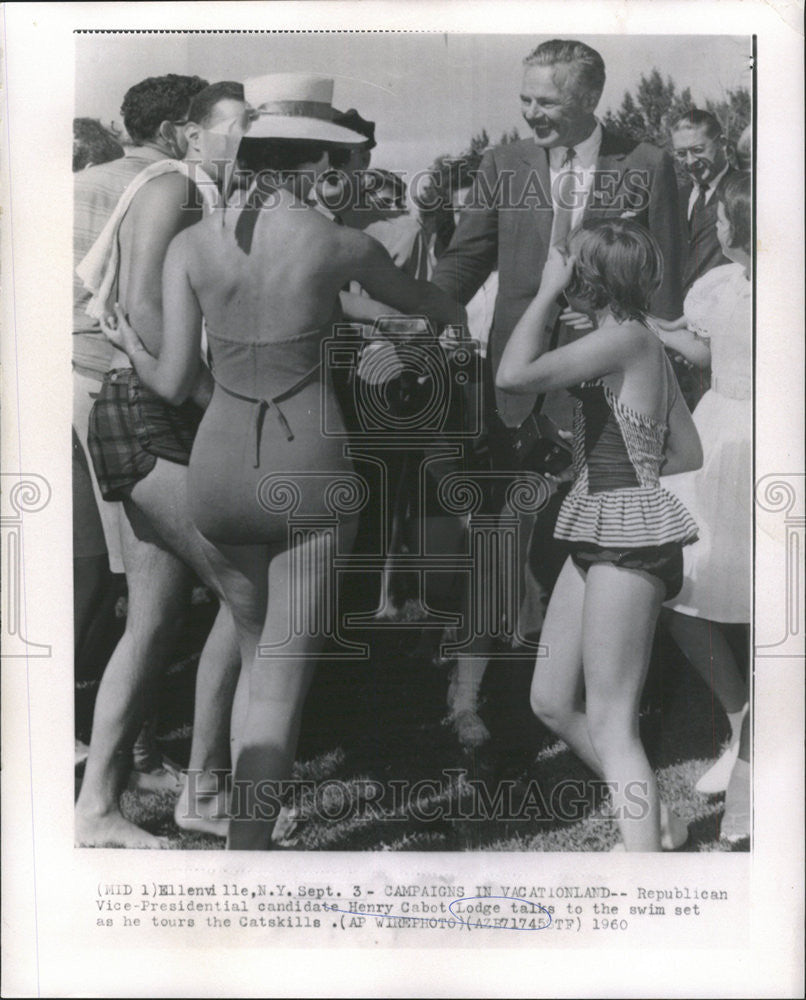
<point>268,273</point>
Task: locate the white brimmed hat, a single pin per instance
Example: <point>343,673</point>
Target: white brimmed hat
<point>295,106</point>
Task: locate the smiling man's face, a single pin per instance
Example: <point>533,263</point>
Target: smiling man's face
<point>551,108</point>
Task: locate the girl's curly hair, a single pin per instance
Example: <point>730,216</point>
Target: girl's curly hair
<point>618,264</point>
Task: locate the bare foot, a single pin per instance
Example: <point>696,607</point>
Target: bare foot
<point>113,830</point>
<point>673,830</point>
<point>207,813</point>
<point>286,828</point>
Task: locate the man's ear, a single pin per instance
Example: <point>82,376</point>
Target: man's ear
<point>192,134</point>
<point>171,136</point>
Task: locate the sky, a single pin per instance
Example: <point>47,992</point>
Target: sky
<point>428,93</point>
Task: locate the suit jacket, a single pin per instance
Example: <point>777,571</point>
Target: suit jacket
<point>508,219</point>
<point>704,251</point>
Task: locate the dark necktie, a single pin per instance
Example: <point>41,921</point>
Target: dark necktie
<point>566,199</point>
<point>699,204</point>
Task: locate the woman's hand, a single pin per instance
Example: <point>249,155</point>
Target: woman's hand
<point>120,333</point>
<point>557,271</point>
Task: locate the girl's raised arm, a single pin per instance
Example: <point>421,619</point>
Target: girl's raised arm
<point>527,364</point>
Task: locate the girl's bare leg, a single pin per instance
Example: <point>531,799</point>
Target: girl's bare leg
<point>557,686</point>
<point>620,613</point>
<point>557,689</point>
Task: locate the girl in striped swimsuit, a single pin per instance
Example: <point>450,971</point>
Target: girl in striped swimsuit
<point>624,531</point>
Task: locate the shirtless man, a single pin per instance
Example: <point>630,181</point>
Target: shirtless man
<point>140,448</point>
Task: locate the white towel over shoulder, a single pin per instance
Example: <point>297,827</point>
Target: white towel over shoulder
<point>99,269</point>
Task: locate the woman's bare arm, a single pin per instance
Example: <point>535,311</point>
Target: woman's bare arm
<point>177,373</point>
<point>374,270</point>
<point>692,347</point>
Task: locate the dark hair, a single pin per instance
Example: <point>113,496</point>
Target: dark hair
<point>203,103</point>
<point>279,154</point>
<point>340,156</point>
<point>584,67</point>
<point>736,195</point>
<point>376,180</point>
<point>695,118</point>
<point>618,264</point>
<point>93,144</point>
<point>156,100</point>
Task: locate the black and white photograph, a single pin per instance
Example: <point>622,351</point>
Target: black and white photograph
<point>426,560</point>
<point>438,537</point>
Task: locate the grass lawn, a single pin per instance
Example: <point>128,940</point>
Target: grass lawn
<point>372,723</point>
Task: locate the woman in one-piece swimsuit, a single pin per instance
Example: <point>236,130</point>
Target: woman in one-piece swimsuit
<point>624,532</point>
<point>268,471</point>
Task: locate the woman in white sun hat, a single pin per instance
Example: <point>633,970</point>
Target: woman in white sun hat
<point>266,277</point>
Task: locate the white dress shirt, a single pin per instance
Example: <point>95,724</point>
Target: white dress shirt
<point>583,166</point>
<point>712,186</point>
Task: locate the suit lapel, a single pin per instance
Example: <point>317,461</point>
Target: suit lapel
<point>611,166</point>
<point>537,161</point>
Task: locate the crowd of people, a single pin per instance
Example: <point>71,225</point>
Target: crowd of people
<point>217,250</point>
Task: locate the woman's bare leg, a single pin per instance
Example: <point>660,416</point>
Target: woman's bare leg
<point>707,649</point>
<point>704,645</point>
<point>279,677</point>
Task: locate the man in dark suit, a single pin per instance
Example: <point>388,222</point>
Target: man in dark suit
<point>510,216</point>
<point>526,197</point>
<point>699,146</point>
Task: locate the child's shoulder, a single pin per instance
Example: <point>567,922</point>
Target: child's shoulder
<point>629,334</point>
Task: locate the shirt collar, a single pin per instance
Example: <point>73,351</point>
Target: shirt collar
<point>145,153</point>
<point>586,152</point>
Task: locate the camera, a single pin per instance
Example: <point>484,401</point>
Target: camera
<point>403,384</point>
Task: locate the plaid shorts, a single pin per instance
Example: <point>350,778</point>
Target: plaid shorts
<point>130,428</point>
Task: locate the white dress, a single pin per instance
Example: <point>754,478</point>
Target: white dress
<point>717,567</point>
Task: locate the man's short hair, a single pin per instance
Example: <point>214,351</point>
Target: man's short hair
<point>156,100</point>
<point>584,67</point>
<point>203,103</point>
<point>696,118</point>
